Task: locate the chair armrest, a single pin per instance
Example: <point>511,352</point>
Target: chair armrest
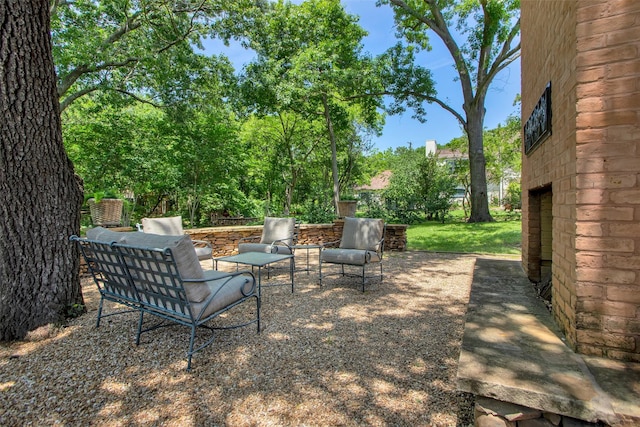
<point>380,246</point>
<point>227,277</point>
<point>283,242</point>
<point>331,244</point>
<point>202,242</point>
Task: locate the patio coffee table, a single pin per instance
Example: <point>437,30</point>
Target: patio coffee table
<point>258,259</point>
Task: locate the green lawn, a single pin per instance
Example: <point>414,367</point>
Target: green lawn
<point>485,238</point>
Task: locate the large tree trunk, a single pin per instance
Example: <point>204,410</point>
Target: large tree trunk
<point>40,196</point>
<point>334,154</point>
<point>477,165</point>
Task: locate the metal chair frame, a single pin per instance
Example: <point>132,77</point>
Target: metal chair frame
<point>147,280</point>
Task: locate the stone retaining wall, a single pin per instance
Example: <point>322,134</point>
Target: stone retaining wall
<point>225,239</point>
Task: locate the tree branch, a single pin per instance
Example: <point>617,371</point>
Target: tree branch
<point>507,55</point>
<point>417,95</point>
<point>137,98</point>
<point>69,99</point>
<point>131,24</point>
<point>439,25</point>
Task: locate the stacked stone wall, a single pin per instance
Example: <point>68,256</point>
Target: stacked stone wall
<point>225,239</point>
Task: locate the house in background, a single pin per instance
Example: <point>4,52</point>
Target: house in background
<point>372,192</point>
<point>450,157</point>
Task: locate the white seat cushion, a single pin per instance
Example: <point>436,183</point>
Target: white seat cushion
<point>349,256</point>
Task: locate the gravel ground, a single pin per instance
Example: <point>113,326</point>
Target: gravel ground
<point>329,356</point>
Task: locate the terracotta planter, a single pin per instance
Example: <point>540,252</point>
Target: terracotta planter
<point>347,208</point>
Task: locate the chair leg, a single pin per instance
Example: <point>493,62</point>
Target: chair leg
<point>190,352</point>
<point>99,311</point>
<point>258,312</point>
<point>320,269</point>
<point>292,269</point>
<point>139,327</point>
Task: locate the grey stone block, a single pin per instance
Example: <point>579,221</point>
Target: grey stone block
<point>509,411</point>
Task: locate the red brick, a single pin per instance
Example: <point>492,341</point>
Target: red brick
<point>626,197</point>
<point>623,355</point>
<point>590,165</point>
<point>606,276</point>
<point>621,325</point>
<point>606,55</point>
<point>606,180</point>
<point>590,290</point>
<point>589,350</point>
<point>606,118</point>
<point>588,12</point>
<point>616,38</point>
<point>589,229</point>
<point>604,244</point>
<point>629,293</point>
<point>597,41</point>
<point>592,196</point>
<point>604,339</point>
<point>599,149</point>
<point>590,260</point>
<point>631,261</point>
<point>624,230</point>
<point>619,103</point>
<point>622,164</point>
<point>599,213</point>
<point>590,75</point>
<point>592,162</point>
<point>590,104</point>
<point>596,88</point>
<point>611,308</point>
<point>625,7</point>
<point>589,27</point>
<point>588,321</point>
<point>621,86</point>
<point>622,69</point>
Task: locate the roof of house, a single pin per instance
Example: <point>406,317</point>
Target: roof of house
<point>451,154</point>
<point>378,182</point>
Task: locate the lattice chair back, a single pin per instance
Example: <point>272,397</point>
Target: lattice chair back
<point>156,278</point>
<point>107,270</point>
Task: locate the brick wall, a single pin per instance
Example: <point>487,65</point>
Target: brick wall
<point>607,178</point>
<point>548,55</point>
<point>590,51</point>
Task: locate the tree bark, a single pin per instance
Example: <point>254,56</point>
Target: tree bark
<point>40,196</point>
<point>334,154</point>
<point>477,164</point>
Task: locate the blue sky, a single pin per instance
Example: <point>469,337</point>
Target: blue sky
<point>402,129</point>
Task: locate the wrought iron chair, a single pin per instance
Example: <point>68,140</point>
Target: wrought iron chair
<point>361,245</point>
<point>279,236</point>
